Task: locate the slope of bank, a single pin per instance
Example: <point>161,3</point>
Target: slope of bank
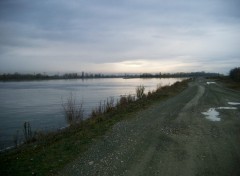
<point>52,151</point>
<point>173,137</point>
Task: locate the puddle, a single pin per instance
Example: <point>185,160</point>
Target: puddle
<point>212,114</point>
<point>226,108</point>
<point>233,103</point>
<point>211,83</point>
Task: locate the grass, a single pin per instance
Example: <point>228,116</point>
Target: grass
<point>231,84</point>
<point>54,150</point>
<point>228,82</point>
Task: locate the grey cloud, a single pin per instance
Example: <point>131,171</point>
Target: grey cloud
<point>114,31</point>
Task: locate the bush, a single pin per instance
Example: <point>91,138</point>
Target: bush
<point>130,98</point>
<point>16,139</point>
<point>73,111</point>
<point>105,107</point>
<point>140,91</point>
<point>28,134</point>
<point>123,101</point>
<point>109,105</point>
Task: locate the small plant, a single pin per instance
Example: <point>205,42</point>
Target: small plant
<point>27,131</point>
<point>140,91</point>
<point>123,101</point>
<point>98,110</point>
<point>149,94</point>
<point>109,105</point>
<point>159,86</point>
<point>73,111</point>
<point>130,98</point>
<point>16,139</point>
<point>105,107</point>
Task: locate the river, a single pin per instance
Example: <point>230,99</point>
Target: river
<point>40,102</point>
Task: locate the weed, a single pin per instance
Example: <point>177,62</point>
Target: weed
<point>140,91</point>
<point>28,134</point>
<point>73,111</point>
<point>123,101</point>
<point>16,139</point>
<point>159,86</point>
<point>109,105</point>
<point>105,107</point>
<point>131,98</point>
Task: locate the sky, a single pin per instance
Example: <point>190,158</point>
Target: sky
<point>127,36</point>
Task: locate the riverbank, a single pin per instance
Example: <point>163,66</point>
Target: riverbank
<point>193,133</point>
<point>40,102</point>
<point>52,151</point>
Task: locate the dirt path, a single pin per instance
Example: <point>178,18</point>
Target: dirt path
<point>171,138</point>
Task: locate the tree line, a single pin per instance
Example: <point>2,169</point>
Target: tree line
<point>235,74</point>
<point>179,75</point>
<point>39,76</point>
<point>44,76</point>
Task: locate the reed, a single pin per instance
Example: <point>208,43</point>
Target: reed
<point>73,111</point>
<point>16,139</point>
<point>140,91</point>
<point>29,136</point>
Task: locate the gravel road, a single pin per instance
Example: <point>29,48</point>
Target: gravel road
<point>171,138</point>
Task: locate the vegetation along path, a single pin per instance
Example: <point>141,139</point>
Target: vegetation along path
<point>172,138</point>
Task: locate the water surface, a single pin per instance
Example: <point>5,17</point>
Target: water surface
<point>40,102</point>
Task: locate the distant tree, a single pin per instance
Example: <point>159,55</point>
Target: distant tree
<point>235,74</point>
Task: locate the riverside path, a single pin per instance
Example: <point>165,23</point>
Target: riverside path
<point>196,133</point>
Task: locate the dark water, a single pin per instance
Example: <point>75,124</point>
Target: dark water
<point>40,102</point>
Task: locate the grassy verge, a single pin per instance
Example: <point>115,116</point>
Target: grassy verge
<point>231,84</point>
<point>228,82</point>
<point>52,151</point>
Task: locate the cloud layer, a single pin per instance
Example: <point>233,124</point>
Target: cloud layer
<point>119,36</point>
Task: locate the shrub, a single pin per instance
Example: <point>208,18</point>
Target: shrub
<point>73,111</point>
<point>16,139</point>
<point>109,105</point>
<point>159,86</point>
<point>98,110</point>
<point>130,98</point>
<point>27,131</point>
<point>123,101</point>
<point>149,95</point>
<point>140,91</point>
<point>106,106</point>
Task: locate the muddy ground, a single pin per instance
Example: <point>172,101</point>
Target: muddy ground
<point>171,138</point>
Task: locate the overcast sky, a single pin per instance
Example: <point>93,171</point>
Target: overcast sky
<point>122,36</point>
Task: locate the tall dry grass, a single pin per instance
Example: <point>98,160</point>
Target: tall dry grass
<point>73,111</point>
<point>140,91</point>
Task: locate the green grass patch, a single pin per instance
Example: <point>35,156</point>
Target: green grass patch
<point>52,151</point>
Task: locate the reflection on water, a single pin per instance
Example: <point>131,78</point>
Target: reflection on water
<point>39,102</point>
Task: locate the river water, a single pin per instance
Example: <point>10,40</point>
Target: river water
<point>40,102</point>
